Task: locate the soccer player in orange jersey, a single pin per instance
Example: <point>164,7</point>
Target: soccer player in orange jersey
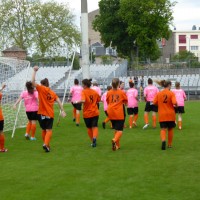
<point>166,101</point>
<point>2,136</point>
<point>116,99</point>
<point>47,97</point>
<point>90,98</point>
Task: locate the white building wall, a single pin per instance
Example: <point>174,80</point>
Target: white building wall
<point>192,45</point>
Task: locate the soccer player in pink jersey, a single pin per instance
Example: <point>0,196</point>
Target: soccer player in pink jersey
<point>97,89</point>
<point>105,106</point>
<point>132,107</point>
<point>149,94</point>
<point>30,97</point>
<point>180,98</point>
<point>76,92</point>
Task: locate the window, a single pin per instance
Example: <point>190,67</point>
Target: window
<point>182,48</point>
<point>194,48</point>
<point>182,39</point>
<point>194,36</point>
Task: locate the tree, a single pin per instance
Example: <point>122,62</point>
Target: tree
<point>37,27</point>
<point>112,28</point>
<point>53,28</point>
<point>134,25</point>
<point>15,23</point>
<point>184,56</point>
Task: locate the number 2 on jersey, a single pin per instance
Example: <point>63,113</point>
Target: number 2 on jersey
<point>165,98</point>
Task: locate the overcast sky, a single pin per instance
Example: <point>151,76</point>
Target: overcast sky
<point>186,12</point>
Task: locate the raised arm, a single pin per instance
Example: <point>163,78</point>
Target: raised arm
<point>35,69</point>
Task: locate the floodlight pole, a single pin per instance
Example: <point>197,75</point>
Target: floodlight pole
<point>85,42</point>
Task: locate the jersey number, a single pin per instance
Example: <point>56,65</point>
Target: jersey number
<point>49,96</point>
<point>165,98</point>
<point>115,98</point>
<point>91,99</point>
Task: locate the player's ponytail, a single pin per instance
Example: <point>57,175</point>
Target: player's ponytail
<point>29,87</point>
<point>163,83</point>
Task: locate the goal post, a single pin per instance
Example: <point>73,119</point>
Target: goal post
<point>13,72</point>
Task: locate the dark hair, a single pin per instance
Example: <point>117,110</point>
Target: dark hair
<point>30,87</point>
<point>109,87</point>
<point>76,82</point>
<point>45,82</point>
<point>177,84</point>
<point>115,83</point>
<point>86,82</point>
<point>164,83</point>
<point>150,81</point>
<point>131,84</point>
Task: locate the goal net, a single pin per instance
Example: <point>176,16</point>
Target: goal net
<point>13,73</point>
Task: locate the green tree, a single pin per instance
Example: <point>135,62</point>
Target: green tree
<point>15,23</point>
<point>187,57</point>
<point>184,56</point>
<point>37,27</point>
<point>134,26</point>
<point>53,28</point>
<point>112,28</point>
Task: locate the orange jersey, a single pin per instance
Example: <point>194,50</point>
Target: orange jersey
<point>91,98</point>
<point>165,100</point>
<point>1,113</point>
<point>116,100</point>
<point>46,97</point>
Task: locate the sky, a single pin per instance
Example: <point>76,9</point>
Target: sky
<point>186,12</point>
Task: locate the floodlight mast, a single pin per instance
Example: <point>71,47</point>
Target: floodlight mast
<point>85,41</point>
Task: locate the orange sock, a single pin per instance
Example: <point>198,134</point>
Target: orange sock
<point>48,137</point>
<point>130,120</point>
<point>179,124</point>
<point>90,134</point>
<point>74,113</point>
<point>28,127</point>
<point>43,135</point>
<point>146,118</point>
<point>154,120</point>
<point>163,134</point>
<point>33,130</point>
<point>77,118</point>
<point>135,118</point>
<point>170,136</point>
<point>106,120</point>
<point>118,135</point>
<point>2,140</point>
<point>95,132</point>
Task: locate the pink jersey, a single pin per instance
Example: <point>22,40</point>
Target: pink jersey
<point>76,91</point>
<point>150,92</point>
<point>180,96</point>
<point>132,95</point>
<point>103,99</point>
<point>97,89</point>
<point>30,101</point>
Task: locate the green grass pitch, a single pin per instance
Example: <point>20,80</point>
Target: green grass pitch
<point>74,170</point>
